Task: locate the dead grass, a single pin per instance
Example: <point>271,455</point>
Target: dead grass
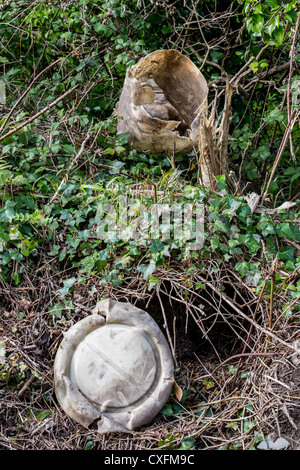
<point>239,381</point>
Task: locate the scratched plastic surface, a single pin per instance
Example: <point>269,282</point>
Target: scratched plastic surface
<point>114,366</point>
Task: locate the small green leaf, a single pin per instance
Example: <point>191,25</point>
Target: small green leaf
<point>43,415</point>
<point>278,35</point>
<point>190,192</point>
<point>167,410</point>
<point>100,28</point>
<point>57,310</point>
<point>16,278</point>
<point>221,182</point>
<point>5,176</point>
<point>147,270</point>
<point>66,35</point>
<point>203,410</point>
<point>254,66</point>
<point>156,246</point>
<point>70,149</point>
<point>209,384</point>
<point>200,285</point>
<point>168,443</point>
<point>7,212</point>
<point>68,283</point>
<point>152,281</point>
<point>263,63</point>
<point>187,444</point>
<point>258,26</point>
<point>16,255</point>
<point>220,226</point>
<point>109,152</point>
<point>89,444</point>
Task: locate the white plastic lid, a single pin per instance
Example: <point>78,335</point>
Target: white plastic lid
<point>114,368</point>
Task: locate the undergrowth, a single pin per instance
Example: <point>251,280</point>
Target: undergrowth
<point>63,169</point>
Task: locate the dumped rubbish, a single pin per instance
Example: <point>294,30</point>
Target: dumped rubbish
<point>114,369</point>
<point>160,104</point>
<point>268,444</point>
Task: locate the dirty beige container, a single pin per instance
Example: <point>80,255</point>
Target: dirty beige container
<point>161,101</point>
<point>114,369</point>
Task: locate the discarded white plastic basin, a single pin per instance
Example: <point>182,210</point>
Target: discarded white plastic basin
<point>114,369</point>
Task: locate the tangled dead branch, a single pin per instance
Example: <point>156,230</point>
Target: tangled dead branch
<point>224,360</point>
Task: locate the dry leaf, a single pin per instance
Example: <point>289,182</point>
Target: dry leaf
<point>25,304</point>
<point>178,391</point>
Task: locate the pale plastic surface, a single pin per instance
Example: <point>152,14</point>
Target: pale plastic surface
<point>114,368</point>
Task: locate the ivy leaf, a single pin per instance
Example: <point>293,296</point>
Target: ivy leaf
<point>167,410</point>
<point>258,26</point>
<point>254,66</point>
<point>57,310</point>
<point>5,175</point>
<point>152,282</point>
<point>187,444</point>
<point>100,28</point>
<point>278,35</point>
<point>7,212</point>
<point>286,230</point>
<point>275,115</point>
<point>116,167</point>
<point>156,246</point>
<point>220,226</point>
<point>89,445</point>
<point>109,151</point>
<point>190,191</point>
<point>147,270</point>
<point>16,255</point>
<point>68,283</point>
<point>67,34</point>
<point>242,267</point>
<point>69,149</point>
<point>221,182</point>
<point>55,147</point>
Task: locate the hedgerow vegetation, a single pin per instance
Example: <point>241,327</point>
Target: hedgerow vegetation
<point>63,64</point>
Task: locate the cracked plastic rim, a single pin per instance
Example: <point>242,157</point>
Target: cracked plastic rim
<point>114,368</point>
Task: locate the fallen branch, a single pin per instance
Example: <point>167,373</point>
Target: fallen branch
<point>75,159</point>
<point>26,92</point>
<point>43,111</point>
<point>222,144</point>
<point>166,324</point>
<point>282,146</point>
<point>246,317</point>
<point>242,355</point>
<point>289,82</point>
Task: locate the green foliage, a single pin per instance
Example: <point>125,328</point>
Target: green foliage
<point>29,223</point>
<point>50,220</point>
<point>95,43</point>
<point>268,20</point>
